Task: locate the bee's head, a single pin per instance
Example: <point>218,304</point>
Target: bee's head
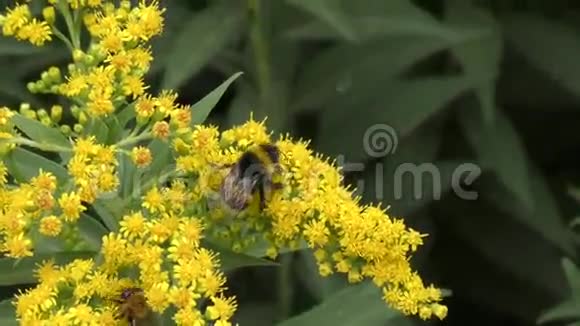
<point>127,293</point>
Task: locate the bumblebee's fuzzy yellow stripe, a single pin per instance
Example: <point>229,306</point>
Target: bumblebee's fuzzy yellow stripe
<point>263,157</point>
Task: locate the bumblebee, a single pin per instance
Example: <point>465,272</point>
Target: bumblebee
<point>133,306</point>
<point>254,173</point>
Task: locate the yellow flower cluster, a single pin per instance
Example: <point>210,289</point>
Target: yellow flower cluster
<point>29,206</point>
<point>64,295</point>
<point>313,206</point>
<point>18,22</point>
<point>93,168</point>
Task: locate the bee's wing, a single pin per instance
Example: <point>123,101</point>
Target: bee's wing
<point>236,191</point>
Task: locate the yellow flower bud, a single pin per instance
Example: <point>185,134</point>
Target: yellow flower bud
<point>54,74</point>
<point>439,310</point>
<point>56,113</point>
<point>42,113</point>
<point>78,55</point>
<point>66,130</point>
<point>75,111</point>
<point>83,118</point>
<point>49,14</point>
<point>30,114</point>
<point>78,128</point>
<point>31,86</point>
<point>6,149</point>
<point>46,121</point>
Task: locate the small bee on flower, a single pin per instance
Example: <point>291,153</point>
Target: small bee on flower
<point>133,306</point>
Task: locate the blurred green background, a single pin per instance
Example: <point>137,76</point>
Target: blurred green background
<point>492,83</point>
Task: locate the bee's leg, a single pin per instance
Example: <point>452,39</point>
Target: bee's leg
<point>262,198</point>
<point>277,185</point>
<point>133,322</point>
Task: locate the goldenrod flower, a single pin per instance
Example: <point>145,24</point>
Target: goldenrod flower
<point>15,19</point>
<point>133,226</point>
<point>50,226</point>
<point>145,107</point>
<point>17,246</point>
<point>161,130</point>
<point>37,32</point>
<point>222,308</point>
<point>71,206</point>
<point>141,156</point>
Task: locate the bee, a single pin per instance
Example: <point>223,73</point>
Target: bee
<point>254,173</point>
<point>133,305</point>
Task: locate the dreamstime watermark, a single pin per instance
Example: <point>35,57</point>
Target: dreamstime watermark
<point>381,140</point>
<point>428,180</point>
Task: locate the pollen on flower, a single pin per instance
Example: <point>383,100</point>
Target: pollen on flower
<point>17,246</point>
<point>71,206</point>
<point>50,226</point>
<point>141,156</point>
<point>161,130</point>
<point>37,32</point>
<point>15,19</point>
<point>222,308</point>
<point>133,226</point>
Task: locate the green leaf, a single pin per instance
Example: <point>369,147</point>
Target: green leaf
<point>572,275</point>
<point>479,56</point>
<point>8,313</point>
<point>13,47</point>
<point>162,159</point>
<point>401,106</point>
<point>526,196</point>
<point>104,207</point>
<point>128,175</point>
<point>92,231</point>
<point>241,105</point>
<point>40,133</point>
<point>23,165</point>
<point>497,288</point>
<point>98,128</point>
<point>564,311</point>
<point>492,142</point>
<point>257,313</point>
<point>126,115</point>
<point>321,287</point>
<point>231,260</point>
<point>537,39</point>
<point>376,19</point>
<point>21,271</point>
<point>12,88</point>
<point>212,29</point>
<point>203,107</point>
<point>350,73</point>
<point>544,218</point>
<point>356,305</point>
<point>501,253</point>
<point>331,12</point>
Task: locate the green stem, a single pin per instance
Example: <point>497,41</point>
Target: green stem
<point>132,140</point>
<point>285,292</point>
<point>77,22</point>
<point>64,9</point>
<point>260,48</point>
<point>42,147</point>
<point>63,38</point>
